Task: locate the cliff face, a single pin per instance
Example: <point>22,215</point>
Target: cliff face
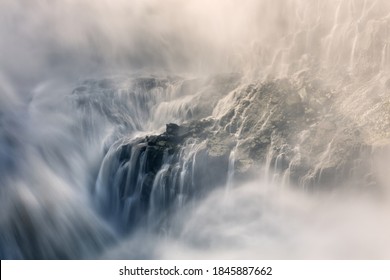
<point>290,132</point>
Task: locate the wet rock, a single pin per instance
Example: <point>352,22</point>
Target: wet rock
<point>172,129</point>
<point>292,130</point>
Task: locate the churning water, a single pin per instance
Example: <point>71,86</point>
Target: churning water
<point>283,96</point>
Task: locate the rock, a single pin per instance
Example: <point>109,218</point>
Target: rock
<point>273,125</point>
<point>172,129</point>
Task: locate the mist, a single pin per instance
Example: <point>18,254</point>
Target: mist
<point>43,37</point>
<point>81,79</point>
<point>259,221</point>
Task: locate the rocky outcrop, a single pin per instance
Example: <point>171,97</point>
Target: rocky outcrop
<point>292,132</point>
<point>159,173</point>
<point>295,132</point>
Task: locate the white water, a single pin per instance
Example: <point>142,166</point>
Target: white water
<point>53,137</point>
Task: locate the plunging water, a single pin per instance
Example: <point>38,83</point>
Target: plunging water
<point>183,130</point>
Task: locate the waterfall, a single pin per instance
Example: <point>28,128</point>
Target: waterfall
<point>143,129</point>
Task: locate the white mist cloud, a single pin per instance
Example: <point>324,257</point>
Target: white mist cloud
<point>262,221</point>
<point>78,38</point>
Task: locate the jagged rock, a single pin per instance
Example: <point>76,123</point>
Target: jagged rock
<point>172,129</point>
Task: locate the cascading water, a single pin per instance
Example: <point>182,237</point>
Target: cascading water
<point>142,129</point>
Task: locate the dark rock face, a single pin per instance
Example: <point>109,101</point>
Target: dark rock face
<point>172,129</point>
<point>159,173</point>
